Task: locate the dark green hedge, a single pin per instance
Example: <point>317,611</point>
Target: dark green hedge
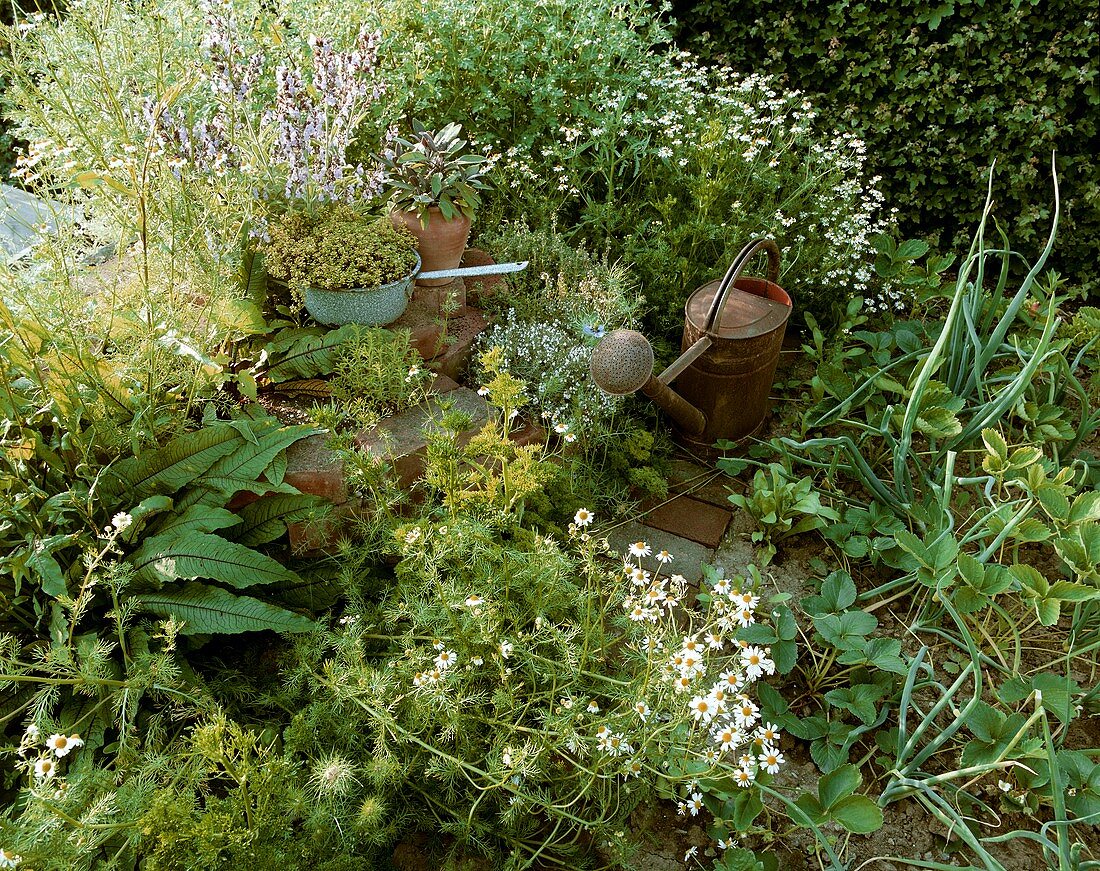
<point>938,90</point>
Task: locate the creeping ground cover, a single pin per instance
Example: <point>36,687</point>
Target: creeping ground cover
<point>278,593</point>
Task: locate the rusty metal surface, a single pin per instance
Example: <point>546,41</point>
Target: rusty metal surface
<point>730,383</point>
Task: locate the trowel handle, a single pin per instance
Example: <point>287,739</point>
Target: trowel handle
<point>467,271</point>
<point>734,272</point>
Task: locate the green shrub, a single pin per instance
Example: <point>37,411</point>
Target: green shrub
<point>938,91</point>
<point>338,249</point>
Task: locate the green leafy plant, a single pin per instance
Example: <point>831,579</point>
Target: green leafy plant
<point>782,507</point>
<point>432,170</point>
<point>837,802</point>
<point>338,249</point>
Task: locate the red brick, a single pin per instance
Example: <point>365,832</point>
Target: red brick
<point>443,384</point>
<point>439,299</point>
<point>425,328</point>
<point>462,332</point>
<point>315,469</point>
<point>691,519</point>
<point>700,482</point>
<point>528,434</point>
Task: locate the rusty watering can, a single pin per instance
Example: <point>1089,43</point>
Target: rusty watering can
<point>733,333</point>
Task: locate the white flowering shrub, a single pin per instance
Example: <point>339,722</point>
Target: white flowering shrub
<point>524,692</point>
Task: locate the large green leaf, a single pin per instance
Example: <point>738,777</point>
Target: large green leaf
<point>191,555</point>
<point>265,519</point>
<point>198,518</point>
<point>242,468</point>
<point>306,352</point>
<point>212,610</point>
<point>176,464</point>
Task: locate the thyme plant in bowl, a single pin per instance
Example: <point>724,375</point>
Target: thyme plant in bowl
<point>433,185</point>
<point>348,268</point>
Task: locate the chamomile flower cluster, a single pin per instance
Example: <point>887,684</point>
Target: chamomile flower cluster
<point>50,751</point>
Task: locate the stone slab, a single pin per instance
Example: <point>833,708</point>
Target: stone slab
<point>313,468</point>
<point>700,482</point>
<point>690,518</point>
<point>687,556</point>
<point>402,439</point>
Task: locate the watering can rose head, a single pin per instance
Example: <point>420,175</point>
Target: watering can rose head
<point>432,169</point>
<point>338,248</point>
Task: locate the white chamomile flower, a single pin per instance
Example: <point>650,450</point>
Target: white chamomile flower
<point>640,549</point>
<point>445,660</point>
<point>483,391</point>
<point>695,803</point>
<point>44,769</point>
<point>593,707</point>
<point>561,428</point>
<point>1004,786</point>
<point>753,659</point>
<point>663,556</point>
<point>9,859</point>
<point>744,777</point>
<point>728,738</point>
<point>474,601</point>
<point>745,713</point>
<point>703,709</point>
<point>771,759</point>
<point>769,734</point>
<point>506,649</point>
<point>583,517</point>
<point>690,851</point>
<point>570,437</point>
<point>477,660</point>
<point>722,586</point>
<point>63,745</point>
<point>642,710</point>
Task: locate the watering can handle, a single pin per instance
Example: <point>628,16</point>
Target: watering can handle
<point>734,272</point>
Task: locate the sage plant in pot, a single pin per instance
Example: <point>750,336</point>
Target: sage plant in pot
<point>433,185</point>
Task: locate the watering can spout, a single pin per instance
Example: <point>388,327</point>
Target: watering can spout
<point>622,363</point>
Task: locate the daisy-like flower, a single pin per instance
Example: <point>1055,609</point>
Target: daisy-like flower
<point>744,777</point>
<point>32,733</point>
<point>474,601</point>
<point>45,768</point>
<point>506,649</point>
<point>731,681</point>
<point>728,738</point>
<point>640,549</point>
<point>703,709</point>
<point>639,577</point>
<point>722,586</point>
<point>445,660</point>
<point>483,391</point>
<point>642,710</point>
<point>638,614</point>
<point>681,684</point>
<point>477,660</point>
<point>617,745</point>
<point>663,556</point>
<point>747,600</point>
<point>652,645</point>
<point>769,734</point>
<point>744,617</point>
<point>633,768</point>
<point>593,707</point>
<point>583,517</point>
<point>413,535</point>
<point>753,660</point>
<point>711,756</point>
<point>745,713</point>
<point>695,803</point>
<point>714,641</point>
<point>681,808</point>
<point>771,759</point>
<point>9,859</point>
<point>63,745</point>
<point>690,851</point>
<point>561,428</point>
<point>570,437</point>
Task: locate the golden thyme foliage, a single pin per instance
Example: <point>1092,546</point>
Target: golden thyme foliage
<point>338,248</point>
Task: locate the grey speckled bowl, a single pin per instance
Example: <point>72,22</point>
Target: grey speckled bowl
<point>361,305</point>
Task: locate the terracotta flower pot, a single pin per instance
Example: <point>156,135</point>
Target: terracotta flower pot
<point>441,243</point>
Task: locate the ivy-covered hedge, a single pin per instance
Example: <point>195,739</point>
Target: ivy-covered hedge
<point>938,90</point>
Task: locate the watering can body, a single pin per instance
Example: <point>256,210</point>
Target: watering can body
<point>733,334</point>
<point>730,381</point>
